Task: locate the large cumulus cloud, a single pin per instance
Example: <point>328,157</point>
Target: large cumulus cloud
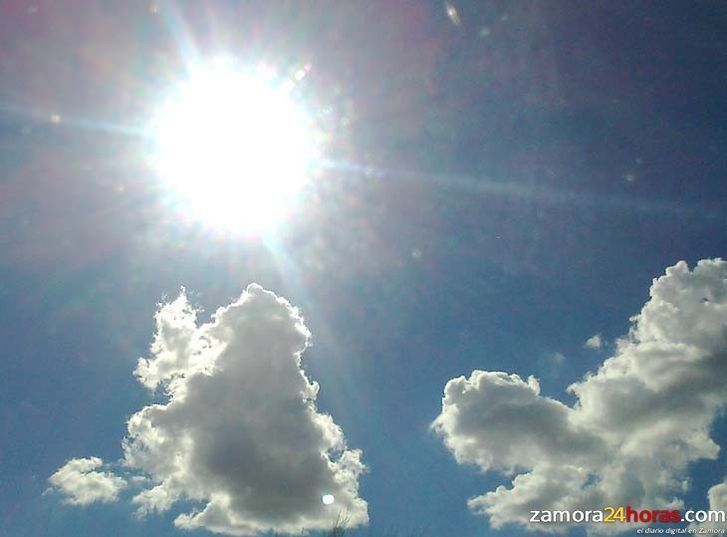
<point>635,426</point>
<point>239,435</point>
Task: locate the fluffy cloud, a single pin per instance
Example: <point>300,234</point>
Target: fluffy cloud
<point>594,342</point>
<point>637,422</point>
<point>81,484</point>
<point>239,436</point>
<point>717,496</point>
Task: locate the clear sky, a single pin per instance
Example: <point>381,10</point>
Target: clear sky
<point>494,184</point>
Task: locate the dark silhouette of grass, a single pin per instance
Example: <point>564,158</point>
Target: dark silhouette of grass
<point>340,529</point>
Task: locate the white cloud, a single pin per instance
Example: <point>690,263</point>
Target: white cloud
<point>240,435</point>
<point>81,484</point>
<point>594,342</point>
<point>717,496</point>
<point>637,422</point>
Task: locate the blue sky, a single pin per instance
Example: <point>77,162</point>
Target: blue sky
<point>501,190</point>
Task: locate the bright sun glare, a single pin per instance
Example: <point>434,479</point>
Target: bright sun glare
<point>234,147</point>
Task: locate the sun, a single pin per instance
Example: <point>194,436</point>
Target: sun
<point>234,147</point>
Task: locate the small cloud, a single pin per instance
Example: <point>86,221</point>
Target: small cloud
<point>717,496</point>
<point>81,484</point>
<point>594,342</point>
<point>557,358</point>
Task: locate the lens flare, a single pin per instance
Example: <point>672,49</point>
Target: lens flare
<point>234,147</point>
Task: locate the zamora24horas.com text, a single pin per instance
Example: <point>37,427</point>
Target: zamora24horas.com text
<point>627,514</point>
